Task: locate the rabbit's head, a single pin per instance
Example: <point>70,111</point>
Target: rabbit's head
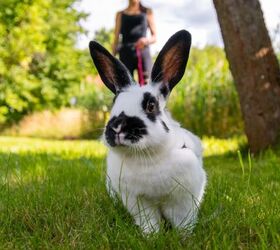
<point>138,117</point>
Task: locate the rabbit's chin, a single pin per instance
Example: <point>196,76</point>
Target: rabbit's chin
<point>128,147</point>
<point>145,146</point>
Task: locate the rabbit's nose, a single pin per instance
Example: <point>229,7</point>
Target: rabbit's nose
<point>118,124</point>
<point>117,129</point>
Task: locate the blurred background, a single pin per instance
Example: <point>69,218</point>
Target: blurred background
<point>199,17</point>
<point>49,87</point>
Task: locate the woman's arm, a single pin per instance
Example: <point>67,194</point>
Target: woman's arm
<point>116,33</point>
<point>144,41</point>
<point>152,27</point>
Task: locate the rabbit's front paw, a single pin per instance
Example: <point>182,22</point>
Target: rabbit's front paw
<point>146,216</point>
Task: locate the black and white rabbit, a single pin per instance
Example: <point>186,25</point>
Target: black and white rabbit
<point>153,164</point>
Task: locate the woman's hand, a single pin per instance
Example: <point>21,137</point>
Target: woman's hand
<point>142,42</point>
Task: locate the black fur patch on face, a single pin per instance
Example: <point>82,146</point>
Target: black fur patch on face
<point>135,129</point>
<point>110,133</point>
<point>132,127</point>
<point>165,126</point>
<point>164,90</point>
<point>150,106</point>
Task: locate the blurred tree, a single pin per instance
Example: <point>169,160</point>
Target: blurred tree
<point>39,64</point>
<point>254,67</point>
<point>105,37</point>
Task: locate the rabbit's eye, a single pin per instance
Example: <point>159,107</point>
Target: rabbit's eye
<point>151,107</point>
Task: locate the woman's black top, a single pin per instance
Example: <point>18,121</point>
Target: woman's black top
<point>133,27</point>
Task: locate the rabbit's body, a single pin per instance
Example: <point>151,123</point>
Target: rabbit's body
<point>166,182</point>
<point>154,166</point>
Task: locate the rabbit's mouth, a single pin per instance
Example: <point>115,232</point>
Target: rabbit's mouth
<point>123,130</point>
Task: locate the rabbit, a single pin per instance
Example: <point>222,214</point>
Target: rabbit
<point>153,165</point>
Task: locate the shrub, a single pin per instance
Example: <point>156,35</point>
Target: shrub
<point>205,101</point>
<point>95,101</point>
<point>39,64</point>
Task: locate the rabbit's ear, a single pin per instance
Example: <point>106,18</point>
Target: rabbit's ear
<point>171,62</point>
<point>112,72</point>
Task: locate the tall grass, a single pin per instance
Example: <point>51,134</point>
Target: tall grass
<point>206,101</point>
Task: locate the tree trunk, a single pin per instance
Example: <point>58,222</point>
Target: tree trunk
<point>254,67</point>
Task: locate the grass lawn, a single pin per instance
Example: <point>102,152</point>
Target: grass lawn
<point>53,196</point>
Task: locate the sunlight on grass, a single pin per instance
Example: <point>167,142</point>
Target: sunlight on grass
<point>58,149</point>
<point>68,149</point>
<point>213,146</point>
<point>28,172</point>
<point>21,169</point>
<point>19,177</point>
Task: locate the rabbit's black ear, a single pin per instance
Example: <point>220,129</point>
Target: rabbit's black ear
<point>112,72</point>
<point>171,62</point>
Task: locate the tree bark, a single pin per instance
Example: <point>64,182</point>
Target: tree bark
<point>254,67</point>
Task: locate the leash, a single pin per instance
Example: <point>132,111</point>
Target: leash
<point>140,67</point>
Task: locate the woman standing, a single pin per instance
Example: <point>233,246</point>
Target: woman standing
<point>131,26</point>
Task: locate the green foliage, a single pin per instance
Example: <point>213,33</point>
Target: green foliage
<point>105,37</point>
<point>39,65</point>
<point>95,98</point>
<point>40,68</point>
<point>206,101</point>
<point>53,196</point>
<point>96,101</point>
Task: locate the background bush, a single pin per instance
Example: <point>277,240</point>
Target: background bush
<point>39,65</point>
<point>41,69</point>
<point>205,101</point>
<point>96,102</point>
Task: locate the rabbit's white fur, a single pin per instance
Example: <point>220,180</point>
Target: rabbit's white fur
<point>166,180</point>
<point>154,166</point>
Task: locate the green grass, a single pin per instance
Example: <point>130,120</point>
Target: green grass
<point>53,196</point>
